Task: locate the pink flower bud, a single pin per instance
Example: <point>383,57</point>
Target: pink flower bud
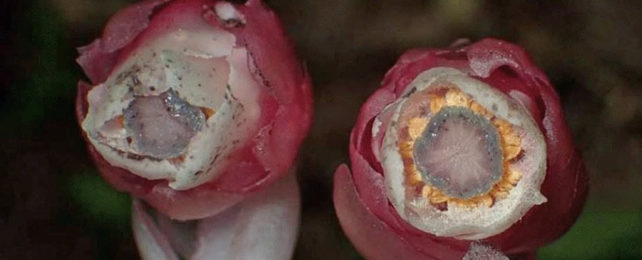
<point>193,104</point>
<point>198,107</point>
<point>458,146</point>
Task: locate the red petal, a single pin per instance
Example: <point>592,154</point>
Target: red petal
<point>372,237</point>
<point>99,57</point>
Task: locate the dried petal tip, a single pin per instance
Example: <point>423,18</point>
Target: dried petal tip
<point>228,14</point>
<point>478,251</point>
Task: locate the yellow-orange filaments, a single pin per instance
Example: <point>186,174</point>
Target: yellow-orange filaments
<point>415,126</point>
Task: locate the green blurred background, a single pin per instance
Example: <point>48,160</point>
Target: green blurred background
<point>54,205</point>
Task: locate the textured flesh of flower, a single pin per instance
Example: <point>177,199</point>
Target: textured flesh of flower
<point>177,107</point>
<point>467,148</point>
<point>460,158</point>
<point>163,125</point>
<point>459,153</point>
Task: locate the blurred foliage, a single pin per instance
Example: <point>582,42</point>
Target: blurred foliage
<point>42,51</point>
<point>600,233</point>
<point>56,206</point>
<point>99,201</point>
<point>52,212</point>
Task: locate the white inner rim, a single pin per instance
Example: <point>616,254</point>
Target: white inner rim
<point>459,221</point>
<point>208,54</point>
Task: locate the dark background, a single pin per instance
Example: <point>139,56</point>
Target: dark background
<point>53,204</point>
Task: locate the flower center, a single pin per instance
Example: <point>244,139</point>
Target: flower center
<point>459,153</point>
<point>177,106</point>
<point>460,158</point>
<point>162,126</point>
<point>456,151</point>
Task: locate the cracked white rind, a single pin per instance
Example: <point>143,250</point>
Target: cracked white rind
<point>207,70</point>
<point>463,222</point>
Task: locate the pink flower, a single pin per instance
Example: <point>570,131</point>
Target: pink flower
<point>484,110</point>
<point>193,106</point>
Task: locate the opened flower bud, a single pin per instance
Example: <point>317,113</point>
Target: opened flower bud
<point>193,104</point>
<point>460,145</point>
